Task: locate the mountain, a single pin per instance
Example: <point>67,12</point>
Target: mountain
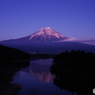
<point>45,34</point>
<point>47,40</point>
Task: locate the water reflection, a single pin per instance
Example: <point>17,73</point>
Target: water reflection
<point>43,76</point>
<point>41,70</point>
<point>37,80</point>
<point>81,83</point>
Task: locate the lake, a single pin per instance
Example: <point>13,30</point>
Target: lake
<point>36,79</point>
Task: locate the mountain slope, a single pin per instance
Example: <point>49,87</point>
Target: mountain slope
<point>11,54</point>
<point>47,40</point>
<point>49,47</point>
<point>45,34</point>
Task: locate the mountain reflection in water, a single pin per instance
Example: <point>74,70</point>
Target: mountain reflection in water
<point>41,70</point>
<point>36,79</point>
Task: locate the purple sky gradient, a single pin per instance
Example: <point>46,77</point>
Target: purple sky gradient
<point>72,18</point>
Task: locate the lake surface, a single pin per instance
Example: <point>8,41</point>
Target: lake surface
<point>36,79</point>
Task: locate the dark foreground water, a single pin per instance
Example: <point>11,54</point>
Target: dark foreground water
<point>36,79</point>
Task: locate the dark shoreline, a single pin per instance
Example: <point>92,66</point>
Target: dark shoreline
<point>74,71</point>
<point>7,71</point>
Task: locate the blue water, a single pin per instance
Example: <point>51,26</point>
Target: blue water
<point>37,80</point>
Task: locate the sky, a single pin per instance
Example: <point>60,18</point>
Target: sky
<point>72,18</point>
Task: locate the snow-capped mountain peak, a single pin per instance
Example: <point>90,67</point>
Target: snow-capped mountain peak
<point>46,34</point>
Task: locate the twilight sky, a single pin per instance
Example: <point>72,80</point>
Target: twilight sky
<point>72,18</point>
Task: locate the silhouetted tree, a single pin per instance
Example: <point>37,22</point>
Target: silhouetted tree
<point>74,71</point>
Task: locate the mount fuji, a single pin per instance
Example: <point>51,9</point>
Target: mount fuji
<point>45,34</point>
<point>47,40</point>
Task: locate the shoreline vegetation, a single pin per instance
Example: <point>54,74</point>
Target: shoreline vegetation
<point>76,61</point>
<point>7,71</point>
<point>8,54</point>
<point>10,63</point>
<point>74,71</point>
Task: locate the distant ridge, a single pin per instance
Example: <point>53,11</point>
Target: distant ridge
<point>8,54</point>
